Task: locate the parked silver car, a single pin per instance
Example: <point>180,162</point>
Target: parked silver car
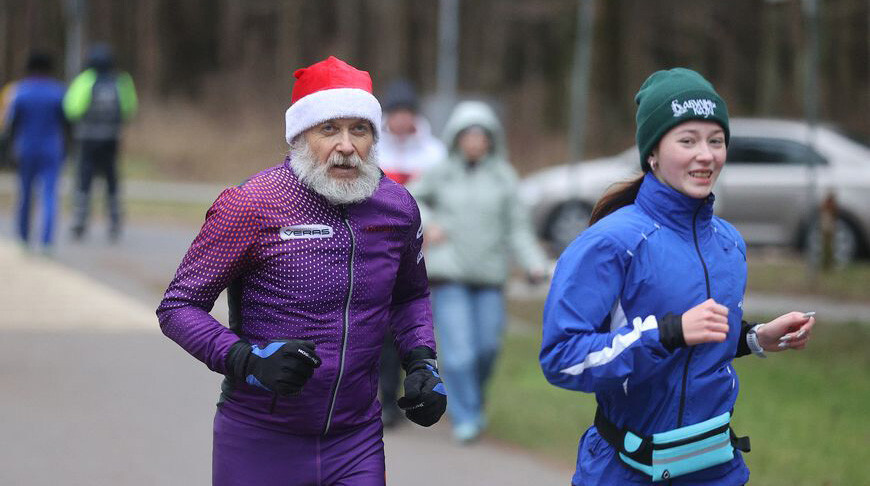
<point>763,189</point>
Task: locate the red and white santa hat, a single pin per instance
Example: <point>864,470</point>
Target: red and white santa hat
<point>330,89</point>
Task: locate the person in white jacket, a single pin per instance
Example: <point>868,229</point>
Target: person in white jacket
<point>406,150</point>
<point>407,147</point>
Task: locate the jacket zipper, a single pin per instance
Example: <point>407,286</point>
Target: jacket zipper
<point>707,282</point>
<point>346,323</point>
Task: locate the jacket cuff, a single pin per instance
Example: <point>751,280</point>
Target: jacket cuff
<point>418,357</point>
<point>742,344</point>
<point>671,332</point>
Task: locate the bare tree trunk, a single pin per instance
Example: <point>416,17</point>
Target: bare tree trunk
<point>388,19</point>
<point>287,54</point>
<point>494,46</point>
<point>348,41</point>
<point>149,47</point>
<point>424,34</point>
<point>5,67</point>
<point>770,84</point>
<point>231,32</point>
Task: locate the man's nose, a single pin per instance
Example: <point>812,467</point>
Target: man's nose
<point>344,147</point>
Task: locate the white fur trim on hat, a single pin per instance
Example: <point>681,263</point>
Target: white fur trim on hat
<point>327,104</point>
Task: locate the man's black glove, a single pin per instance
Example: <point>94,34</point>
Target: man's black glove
<point>282,367</point>
<point>425,398</point>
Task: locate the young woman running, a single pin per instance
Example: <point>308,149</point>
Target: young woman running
<point>646,306</point>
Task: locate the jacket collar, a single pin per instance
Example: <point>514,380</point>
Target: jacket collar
<point>674,209</point>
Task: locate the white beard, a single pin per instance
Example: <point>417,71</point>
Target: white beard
<point>315,174</point>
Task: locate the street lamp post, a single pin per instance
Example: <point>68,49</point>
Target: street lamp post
<point>811,114</point>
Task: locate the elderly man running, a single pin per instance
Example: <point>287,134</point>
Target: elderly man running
<point>320,255</point>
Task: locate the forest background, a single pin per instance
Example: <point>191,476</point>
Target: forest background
<point>214,79</point>
<point>214,76</point>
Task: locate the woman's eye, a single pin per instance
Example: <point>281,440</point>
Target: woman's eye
<point>328,128</point>
<point>361,129</point>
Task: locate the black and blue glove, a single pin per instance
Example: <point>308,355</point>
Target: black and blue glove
<point>282,366</point>
<point>425,398</point>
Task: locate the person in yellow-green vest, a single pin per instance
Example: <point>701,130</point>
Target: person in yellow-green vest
<point>97,103</point>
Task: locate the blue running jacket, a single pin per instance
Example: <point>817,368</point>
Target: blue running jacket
<point>664,254</point>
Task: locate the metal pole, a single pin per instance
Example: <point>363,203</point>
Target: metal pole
<point>448,52</point>
<point>76,17</point>
<point>580,78</point>
<point>811,114</point>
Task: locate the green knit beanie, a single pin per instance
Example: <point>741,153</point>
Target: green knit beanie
<point>668,98</point>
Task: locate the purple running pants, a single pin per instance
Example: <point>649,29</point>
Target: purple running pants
<point>245,454</point>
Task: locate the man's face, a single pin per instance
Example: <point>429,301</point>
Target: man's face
<point>402,122</point>
<point>336,159</point>
<point>341,137</point>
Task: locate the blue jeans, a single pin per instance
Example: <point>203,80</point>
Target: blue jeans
<point>44,168</point>
<point>469,321</point>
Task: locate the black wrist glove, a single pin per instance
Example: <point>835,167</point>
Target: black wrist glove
<point>282,367</point>
<point>425,398</point>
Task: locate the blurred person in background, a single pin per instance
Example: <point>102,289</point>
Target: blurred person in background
<point>406,149</point>
<point>320,255</point>
<point>474,223</point>
<point>5,100</point>
<point>98,102</point>
<point>646,305</point>
<point>36,127</point>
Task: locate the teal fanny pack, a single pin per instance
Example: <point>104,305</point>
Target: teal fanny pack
<point>676,452</point>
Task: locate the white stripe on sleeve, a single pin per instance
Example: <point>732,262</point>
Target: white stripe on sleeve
<point>619,344</point>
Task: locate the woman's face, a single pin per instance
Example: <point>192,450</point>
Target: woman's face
<point>474,143</point>
<point>689,157</point>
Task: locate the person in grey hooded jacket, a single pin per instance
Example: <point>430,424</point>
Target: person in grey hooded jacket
<point>474,223</point>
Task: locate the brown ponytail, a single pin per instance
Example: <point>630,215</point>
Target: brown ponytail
<point>618,195</point>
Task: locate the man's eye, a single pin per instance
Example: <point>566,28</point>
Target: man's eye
<point>362,128</point>
<point>329,128</point>
<point>717,141</point>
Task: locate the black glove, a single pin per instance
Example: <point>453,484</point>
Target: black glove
<point>282,367</point>
<point>425,398</point>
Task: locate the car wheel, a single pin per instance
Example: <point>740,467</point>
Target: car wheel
<point>566,222</point>
<point>846,244</point>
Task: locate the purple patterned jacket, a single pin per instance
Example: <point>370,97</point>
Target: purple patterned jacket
<point>299,267</point>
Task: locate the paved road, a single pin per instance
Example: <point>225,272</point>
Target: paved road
<point>94,394</point>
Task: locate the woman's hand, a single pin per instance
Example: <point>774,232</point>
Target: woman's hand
<point>707,322</point>
<point>788,331</point>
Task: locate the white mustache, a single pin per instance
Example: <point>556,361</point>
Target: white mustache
<point>352,160</point>
<point>315,174</point>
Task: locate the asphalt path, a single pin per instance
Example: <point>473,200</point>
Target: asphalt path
<point>93,393</point>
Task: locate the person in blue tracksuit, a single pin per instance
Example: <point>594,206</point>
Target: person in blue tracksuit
<point>37,128</point>
<point>645,308</point>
